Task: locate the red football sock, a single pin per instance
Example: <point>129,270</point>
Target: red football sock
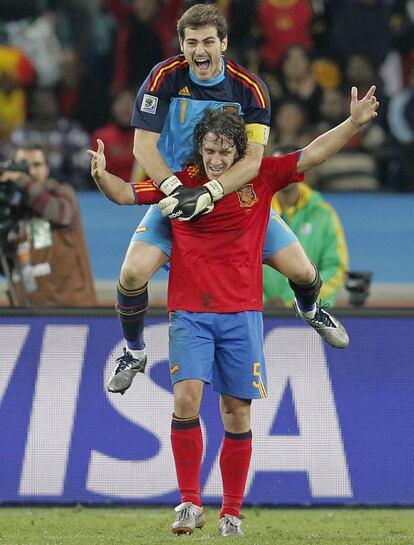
<point>187,446</point>
<point>235,457</point>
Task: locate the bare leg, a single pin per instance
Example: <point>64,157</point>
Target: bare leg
<point>235,413</point>
<point>293,263</point>
<point>142,260</point>
<point>187,398</point>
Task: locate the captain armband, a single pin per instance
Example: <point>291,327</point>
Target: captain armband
<point>257,133</point>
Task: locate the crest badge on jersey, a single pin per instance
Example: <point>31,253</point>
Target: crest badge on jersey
<point>193,171</point>
<point>232,109</point>
<point>247,196</point>
<point>149,104</point>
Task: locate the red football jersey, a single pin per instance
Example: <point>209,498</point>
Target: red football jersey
<point>216,261</point>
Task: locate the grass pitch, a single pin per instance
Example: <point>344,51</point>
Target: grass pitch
<point>151,526</point>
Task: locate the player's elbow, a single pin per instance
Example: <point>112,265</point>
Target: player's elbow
<point>311,157</point>
<point>118,197</point>
<point>124,198</point>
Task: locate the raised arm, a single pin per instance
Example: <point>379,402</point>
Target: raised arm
<point>322,148</point>
<point>113,187</point>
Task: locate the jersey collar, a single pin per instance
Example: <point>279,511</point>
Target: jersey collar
<point>218,79</point>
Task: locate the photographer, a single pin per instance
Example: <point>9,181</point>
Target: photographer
<point>46,247</point>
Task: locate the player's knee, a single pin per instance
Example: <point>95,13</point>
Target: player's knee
<point>186,403</point>
<point>133,274</point>
<point>303,275</point>
<point>237,419</point>
<point>140,263</point>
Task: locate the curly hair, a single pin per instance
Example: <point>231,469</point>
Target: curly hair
<point>225,125</point>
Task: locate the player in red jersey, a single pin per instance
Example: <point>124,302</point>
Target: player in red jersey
<point>215,308</point>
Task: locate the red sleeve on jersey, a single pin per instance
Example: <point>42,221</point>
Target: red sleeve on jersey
<point>146,192</point>
<point>279,172</point>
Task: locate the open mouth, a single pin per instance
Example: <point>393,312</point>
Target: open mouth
<point>202,64</point>
<point>216,171</point>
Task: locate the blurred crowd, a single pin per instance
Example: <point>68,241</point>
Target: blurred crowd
<point>69,72</point>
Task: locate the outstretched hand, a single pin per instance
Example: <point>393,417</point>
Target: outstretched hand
<point>364,110</point>
<point>98,160</point>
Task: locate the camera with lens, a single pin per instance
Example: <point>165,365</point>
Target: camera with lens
<point>15,252</point>
<point>9,199</point>
<point>358,284</point>
<point>13,166</point>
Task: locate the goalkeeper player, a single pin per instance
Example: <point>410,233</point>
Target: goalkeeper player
<point>168,105</point>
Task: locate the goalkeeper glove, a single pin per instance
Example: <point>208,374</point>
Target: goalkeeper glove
<point>170,185</point>
<point>190,204</point>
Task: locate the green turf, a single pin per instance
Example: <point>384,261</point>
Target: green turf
<point>147,526</point>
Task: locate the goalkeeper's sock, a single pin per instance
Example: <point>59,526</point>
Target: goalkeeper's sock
<point>136,354</point>
<point>235,455</point>
<point>307,295</point>
<point>187,447</point>
<point>131,307</point>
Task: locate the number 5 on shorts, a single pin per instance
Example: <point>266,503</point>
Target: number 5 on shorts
<point>258,383</point>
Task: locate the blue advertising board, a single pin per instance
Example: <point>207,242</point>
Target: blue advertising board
<point>337,426</point>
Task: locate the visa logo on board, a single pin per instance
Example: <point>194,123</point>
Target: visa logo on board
<point>59,426</point>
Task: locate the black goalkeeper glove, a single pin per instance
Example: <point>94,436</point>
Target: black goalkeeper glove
<point>189,204</point>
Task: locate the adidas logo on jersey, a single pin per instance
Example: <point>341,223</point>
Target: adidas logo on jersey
<point>184,92</point>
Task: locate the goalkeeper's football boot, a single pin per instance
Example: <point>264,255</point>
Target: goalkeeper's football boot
<point>229,526</point>
<point>328,327</point>
<point>188,518</point>
<point>125,371</point>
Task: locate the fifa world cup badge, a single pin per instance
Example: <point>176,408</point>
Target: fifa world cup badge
<point>149,104</point>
